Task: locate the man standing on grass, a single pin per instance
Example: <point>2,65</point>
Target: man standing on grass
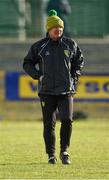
<point>59,61</point>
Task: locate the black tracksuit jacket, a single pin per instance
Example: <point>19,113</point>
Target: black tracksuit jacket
<point>58,62</point>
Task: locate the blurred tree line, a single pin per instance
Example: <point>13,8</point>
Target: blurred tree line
<point>26,18</point>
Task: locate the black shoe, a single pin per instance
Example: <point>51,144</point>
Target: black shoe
<point>52,160</point>
<point>65,158</point>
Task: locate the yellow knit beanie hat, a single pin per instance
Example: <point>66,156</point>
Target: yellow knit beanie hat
<point>53,20</point>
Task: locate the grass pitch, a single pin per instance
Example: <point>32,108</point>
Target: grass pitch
<point>22,154</point>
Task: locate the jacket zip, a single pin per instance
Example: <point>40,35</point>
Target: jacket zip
<point>53,53</point>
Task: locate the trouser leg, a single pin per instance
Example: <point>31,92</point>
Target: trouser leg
<point>65,107</point>
<point>49,104</point>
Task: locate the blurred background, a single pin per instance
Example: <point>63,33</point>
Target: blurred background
<point>22,22</point>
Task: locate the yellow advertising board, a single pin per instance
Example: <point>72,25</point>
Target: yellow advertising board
<point>2,75</point>
<point>27,87</point>
<point>91,87</point>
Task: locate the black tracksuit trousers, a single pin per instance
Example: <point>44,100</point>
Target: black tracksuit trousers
<point>49,104</point>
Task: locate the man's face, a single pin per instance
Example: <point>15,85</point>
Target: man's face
<point>55,33</point>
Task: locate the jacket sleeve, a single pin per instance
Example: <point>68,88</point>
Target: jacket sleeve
<point>77,63</point>
<point>30,62</point>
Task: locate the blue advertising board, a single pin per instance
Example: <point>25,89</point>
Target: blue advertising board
<point>19,86</point>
